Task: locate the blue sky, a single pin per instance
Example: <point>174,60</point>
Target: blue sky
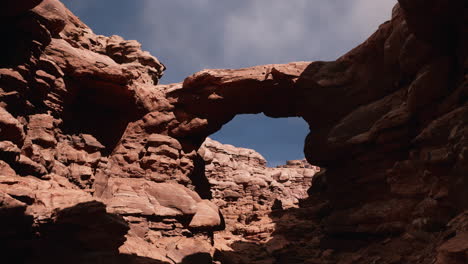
<point>191,35</point>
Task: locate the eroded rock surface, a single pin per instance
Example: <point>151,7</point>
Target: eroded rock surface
<point>74,165</point>
<point>95,153</point>
<point>247,192</point>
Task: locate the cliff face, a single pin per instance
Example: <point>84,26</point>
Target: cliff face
<point>80,181</point>
<point>101,164</point>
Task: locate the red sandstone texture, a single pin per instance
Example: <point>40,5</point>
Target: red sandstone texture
<point>100,164</point>
<point>247,192</point>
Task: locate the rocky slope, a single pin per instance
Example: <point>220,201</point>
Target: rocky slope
<point>100,164</point>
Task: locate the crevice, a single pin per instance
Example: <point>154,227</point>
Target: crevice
<point>199,179</point>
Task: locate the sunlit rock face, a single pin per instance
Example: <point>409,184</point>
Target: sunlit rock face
<point>80,162</point>
<point>247,192</point>
<point>95,153</point>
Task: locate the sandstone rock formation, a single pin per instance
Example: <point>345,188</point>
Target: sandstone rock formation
<point>247,192</point>
<point>70,169</point>
<point>100,164</point>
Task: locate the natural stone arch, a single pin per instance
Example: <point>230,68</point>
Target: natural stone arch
<point>389,120</point>
<point>180,116</point>
<point>207,100</point>
<point>320,92</point>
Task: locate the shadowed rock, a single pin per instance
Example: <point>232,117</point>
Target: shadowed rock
<point>99,163</point>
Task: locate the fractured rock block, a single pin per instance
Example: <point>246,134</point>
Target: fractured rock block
<point>206,216</point>
<point>28,167</point>
<point>9,152</point>
<point>41,130</point>
<point>82,174</point>
<point>10,128</point>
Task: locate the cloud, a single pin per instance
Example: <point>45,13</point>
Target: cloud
<point>264,29</point>
<point>278,31</point>
<point>366,15</point>
<point>191,35</point>
<point>185,35</point>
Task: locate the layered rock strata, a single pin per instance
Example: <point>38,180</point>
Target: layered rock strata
<point>68,154</point>
<point>100,163</point>
<point>247,192</point>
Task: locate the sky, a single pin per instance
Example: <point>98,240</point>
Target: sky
<point>190,35</point>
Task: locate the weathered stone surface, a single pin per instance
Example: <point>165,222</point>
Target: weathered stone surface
<point>14,9</point>
<point>247,191</point>
<point>131,196</point>
<point>10,128</point>
<point>95,153</point>
<point>454,250</point>
<point>206,216</point>
<point>9,152</point>
<point>41,130</point>
<point>189,251</point>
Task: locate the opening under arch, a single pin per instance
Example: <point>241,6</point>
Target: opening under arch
<point>276,139</point>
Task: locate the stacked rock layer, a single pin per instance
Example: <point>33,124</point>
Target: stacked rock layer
<point>247,192</point>
<point>100,164</point>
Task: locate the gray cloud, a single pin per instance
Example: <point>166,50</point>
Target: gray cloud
<point>192,35</point>
<point>278,31</point>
